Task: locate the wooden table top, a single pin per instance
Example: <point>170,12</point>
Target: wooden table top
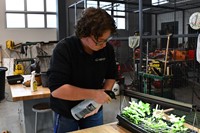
<point>115,128</point>
<point>107,128</point>
<point>19,92</point>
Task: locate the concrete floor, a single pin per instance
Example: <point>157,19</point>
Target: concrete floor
<point>9,114</point>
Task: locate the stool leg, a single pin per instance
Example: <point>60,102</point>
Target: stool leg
<point>53,120</point>
<point>35,122</point>
<point>52,117</point>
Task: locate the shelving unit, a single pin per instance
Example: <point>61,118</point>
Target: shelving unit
<point>184,35</point>
<point>150,21</point>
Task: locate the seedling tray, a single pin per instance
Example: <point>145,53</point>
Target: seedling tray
<point>122,121</point>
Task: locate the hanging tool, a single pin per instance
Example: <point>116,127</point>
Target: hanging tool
<point>40,51</point>
<point>35,66</point>
<point>22,49</point>
<point>26,49</point>
<point>166,53</point>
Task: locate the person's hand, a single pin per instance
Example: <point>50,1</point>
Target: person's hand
<point>93,112</point>
<point>101,97</point>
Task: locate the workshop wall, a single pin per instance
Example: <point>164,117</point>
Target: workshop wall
<point>182,23</point>
<point>21,36</point>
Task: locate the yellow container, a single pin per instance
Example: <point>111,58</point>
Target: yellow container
<point>19,69</point>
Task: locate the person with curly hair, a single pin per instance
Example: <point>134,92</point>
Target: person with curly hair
<point>82,67</point>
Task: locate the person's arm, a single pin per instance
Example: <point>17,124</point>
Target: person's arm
<point>108,84</point>
<point>70,92</point>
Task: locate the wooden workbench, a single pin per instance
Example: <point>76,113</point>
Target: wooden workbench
<point>107,128</point>
<point>27,99</point>
<point>19,92</point>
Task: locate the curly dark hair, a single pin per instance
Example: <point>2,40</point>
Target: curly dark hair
<point>94,21</point>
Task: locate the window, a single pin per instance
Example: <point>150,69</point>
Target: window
<point>119,15</point>
<point>92,4</point>
<point>107,6</point>
<point>159,2</point>
<point>120,22</point>
<point>18,20</point>
<point>31,13</point>
<point>114,9</point>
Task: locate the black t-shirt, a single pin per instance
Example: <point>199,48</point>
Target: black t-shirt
<point>70,64</point>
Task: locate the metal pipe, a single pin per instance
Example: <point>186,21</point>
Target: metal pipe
<point>173,36</point>
<point>140,32</point>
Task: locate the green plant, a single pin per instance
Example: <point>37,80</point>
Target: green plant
<point>141,115</point>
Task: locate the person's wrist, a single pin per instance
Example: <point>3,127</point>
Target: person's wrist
<point>94,94</point>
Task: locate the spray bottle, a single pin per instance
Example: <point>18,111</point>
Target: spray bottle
<point>33,82</point>
<point>87,106</point>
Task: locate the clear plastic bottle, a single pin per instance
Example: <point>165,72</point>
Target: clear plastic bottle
<point>33,82</point>
<point>84,108</point>
<point>87,106</point>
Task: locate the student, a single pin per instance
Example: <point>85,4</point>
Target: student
<point>83,67</point>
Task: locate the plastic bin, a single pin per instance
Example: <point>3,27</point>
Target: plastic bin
<point>2,82</point>
<point>44,79</point>
<point>15,79</point>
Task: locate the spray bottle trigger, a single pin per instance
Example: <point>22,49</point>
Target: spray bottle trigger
<point>110,93</point>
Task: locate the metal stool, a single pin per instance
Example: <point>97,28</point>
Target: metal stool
<point>40,108</point>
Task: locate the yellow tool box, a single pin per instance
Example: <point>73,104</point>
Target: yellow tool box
<point>19,69</point>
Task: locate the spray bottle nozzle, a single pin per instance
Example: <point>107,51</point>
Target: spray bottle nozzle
<point>110,93</point>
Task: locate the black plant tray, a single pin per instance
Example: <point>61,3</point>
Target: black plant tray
<point>15,79</point>
<point>122,121</point>
<point>130,126</point>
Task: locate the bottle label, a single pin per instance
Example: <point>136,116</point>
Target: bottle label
<point>86,111</point>
<point>35,86</point>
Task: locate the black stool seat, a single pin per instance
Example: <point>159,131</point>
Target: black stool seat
<point>41,107</point>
